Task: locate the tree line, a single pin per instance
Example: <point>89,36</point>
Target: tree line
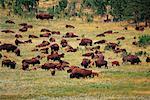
<point>137,10</point>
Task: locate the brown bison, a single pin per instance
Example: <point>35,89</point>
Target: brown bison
<point>17,42</point>
<point>17,51</point>
<point>43,44</point>
<point>55,32</point>
<point>78,72</point>
<point>32,61</point>
<point>86,42</point>
<point>25,66</point>
<point>7,31</point>
<point>55,56</point>
<point>43,16</point>
<point>108,32</point>
<point>23,24</point>
<point>28,41</point>
<point>88,54</point>
<point>115,63</point>
<point>45,35</point>
<point>139,28</point>
<point>85,62</point>
<point>70,49</point>
<point>70,35</point>
<point>44,50</point>
<point>132,59</point>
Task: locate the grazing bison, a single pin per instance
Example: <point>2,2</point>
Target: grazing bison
<point>108,32</point>
<point>53,72</point>
<point>18,35</point>
<point>1,56</point>
<point>43,44</point>
<point>132,59</point>
<point>121,38</point>
<point>10,22</point>
<point>7,31</point>
<point>44,50</point>
<point>28,41</point>
<point>88,54</point>
<point>100,63</point>
<point>86,42</point>
<point>23,24</point>
<point>45,35</point>
<point>100,42</point>
<point>43,16</point>
<point>54,47</point>
<point>139,28</point>
<point>70,35</point>
<point>100,35</point>
<point>85,62</point>
<point>32,61</point>
<point>45,30</point>
<point>55,56</point>
<point>112,45</point>
<point>70,49</point>
<point>115,63</point>
<point>25,66</point>
<point>56,32</point>
<point>69,26</point>
<point>78,72</point>
<point>17,42</point>
<point>33,36</point>
<point>9,63</point>
<point>148,59</point>
<point>8,47</point>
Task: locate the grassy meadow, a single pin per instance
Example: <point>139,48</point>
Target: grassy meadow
<point>124,82</point>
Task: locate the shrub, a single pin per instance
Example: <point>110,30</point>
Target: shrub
<point>144,40</point>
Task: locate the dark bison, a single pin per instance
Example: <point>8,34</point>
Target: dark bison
<point>86,42</point>
<point>25,66</point>
<point>108,32</point>
<point>69,26</point>
<point>139,28</point>
<point>45,30</point>
<point>121,38</point>
<point>52,39</point>
<point>8,47</point>
<point>148,59</point>
<point>70,49</point>
<point>28,41</point>
<point>9,22</point>
<point>43,16</point>
<point>9,63</point>
<point>17,51</point>
<point>115,63</point>
<point>85,62</point>
<point>100,63</point>
<point>64,43</point>
<point>100,42</point>
<point>7,31</point>
<point>44,50</point>
<point>18,35</point>
<point>33,36</point>
<point>17,42</point>
<point>100,35</point>
<point>54,47</point>
<point>23,24</point>
<point>88,54</point>
<point>132,59</point>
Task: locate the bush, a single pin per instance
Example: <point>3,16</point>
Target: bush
<point>144,40</point>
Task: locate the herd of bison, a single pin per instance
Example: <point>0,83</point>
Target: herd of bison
<point>54,57</point>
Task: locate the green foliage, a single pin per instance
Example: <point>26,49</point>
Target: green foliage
<point>63,4</point>
<point>89,18</point>
<point>144,40</point>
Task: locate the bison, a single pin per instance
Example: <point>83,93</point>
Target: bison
<point>148,59</point>
<point>10,22</point>
<point>7,31</point>
<point>100,63</point>
<point>54,47</point>
<point>85,62</point>
<point>43,16</point>
<point>86,42</point>
<point>132,59</point>
<point>100,42</point>
<point>115,63</point>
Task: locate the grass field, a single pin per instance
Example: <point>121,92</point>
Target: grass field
<point>124,82</point>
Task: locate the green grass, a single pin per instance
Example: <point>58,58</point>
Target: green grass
<point>123,82</point>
